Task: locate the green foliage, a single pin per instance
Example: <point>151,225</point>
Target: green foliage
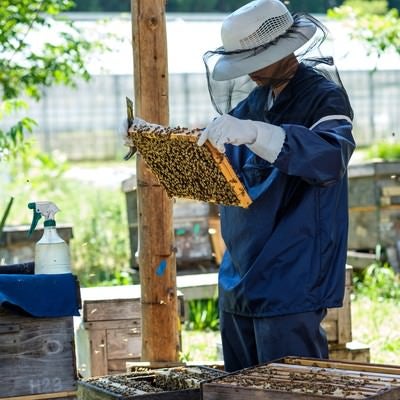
<point>171,5</point>
<point>372,23</point>
<point>311,6</point>
<point>102,5</point>
<point>378,282</point>
<point>380,33</point>
<point>33,175</point>
<point>203,315</point>
<point>375,323</point>
<point>199,345</point>
<point>100,246</point>
<point>184,356</point>
<point>385,150</point>
<point>204,6</point>
<point>377,7</point>
<point>27,64</point>
<point>226,6</point>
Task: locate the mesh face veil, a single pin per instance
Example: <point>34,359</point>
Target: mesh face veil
<point>228,69</point>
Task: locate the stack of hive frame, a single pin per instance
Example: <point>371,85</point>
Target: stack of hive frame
<point>305,378</point>
<point>187,170</point>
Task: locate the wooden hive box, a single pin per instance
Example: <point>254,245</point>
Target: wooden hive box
<point>108,335</point>
<point>293,378</point>
<point>351,351</point>
<point>175,383</point>
<point>374,208</point>
<point>37,357</point>
<point>197,231</point>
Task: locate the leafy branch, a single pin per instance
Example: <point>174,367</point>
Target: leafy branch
<point>27,65</point>
<point>372,23</point>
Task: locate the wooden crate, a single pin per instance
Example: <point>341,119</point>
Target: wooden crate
<point>198,240</point>
<point>351,351</point>
<point>37,356</point>
<point>337,322</point>
<point>374,208</point>
<point>293,378</point>
<point>108,335</point>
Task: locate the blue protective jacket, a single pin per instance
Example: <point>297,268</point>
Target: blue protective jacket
<point>286,253</point>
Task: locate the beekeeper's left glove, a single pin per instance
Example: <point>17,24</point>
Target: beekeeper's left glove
<point>137,122</point>
<point>264,139</point>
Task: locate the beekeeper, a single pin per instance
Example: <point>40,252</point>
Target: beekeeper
<point>290,141</point>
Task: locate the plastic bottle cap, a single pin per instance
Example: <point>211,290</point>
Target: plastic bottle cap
<point>49,222</point>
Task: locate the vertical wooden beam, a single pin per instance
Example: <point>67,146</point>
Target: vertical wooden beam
<point>157,264</point>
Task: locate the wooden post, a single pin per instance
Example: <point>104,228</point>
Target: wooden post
<point>157,264</point>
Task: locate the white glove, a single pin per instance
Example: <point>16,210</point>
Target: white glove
<point>137,122</point>
<point>262,138</point>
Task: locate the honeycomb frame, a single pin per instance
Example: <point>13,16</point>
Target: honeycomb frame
<point>187,170</point>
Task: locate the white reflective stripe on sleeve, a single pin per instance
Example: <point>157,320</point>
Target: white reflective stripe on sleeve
<point>330,118</point>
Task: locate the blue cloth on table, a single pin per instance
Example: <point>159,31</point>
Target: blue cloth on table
<point>55,295</point>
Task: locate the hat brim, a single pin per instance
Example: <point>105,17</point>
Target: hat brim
<point>230,66</point>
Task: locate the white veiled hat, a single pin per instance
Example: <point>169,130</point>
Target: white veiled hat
<point>259,34</point>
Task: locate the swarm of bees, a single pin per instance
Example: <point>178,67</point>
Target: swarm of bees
<point>187,170</point>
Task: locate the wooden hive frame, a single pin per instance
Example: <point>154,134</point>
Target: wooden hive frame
<point>187,170</point>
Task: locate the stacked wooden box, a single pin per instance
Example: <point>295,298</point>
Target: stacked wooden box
<point>198,242</point>
<point>337,325</point>
<point>374,210</point>
<point>108,335</point>
<point>37,357</point>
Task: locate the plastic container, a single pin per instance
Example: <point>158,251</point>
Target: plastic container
<point>52,254</point>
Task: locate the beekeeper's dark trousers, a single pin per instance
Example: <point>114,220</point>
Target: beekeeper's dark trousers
<point>250,341</point>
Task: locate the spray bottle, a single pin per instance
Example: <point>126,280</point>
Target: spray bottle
<point>51,251</point>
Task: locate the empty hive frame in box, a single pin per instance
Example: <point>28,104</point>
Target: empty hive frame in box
<point>187,170</point>
<point>303,378</point>
<point>174,383</point>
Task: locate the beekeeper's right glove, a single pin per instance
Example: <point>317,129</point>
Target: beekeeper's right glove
<point>264,139</point>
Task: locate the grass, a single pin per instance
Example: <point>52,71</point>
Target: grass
<point>200,345</point>
<point>385,150</point>
<point>374,323</point>
<point>377,324</point>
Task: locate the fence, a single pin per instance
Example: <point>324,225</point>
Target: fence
<point>83,122</point>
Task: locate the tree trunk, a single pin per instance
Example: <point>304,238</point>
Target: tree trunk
<point>157,265</point>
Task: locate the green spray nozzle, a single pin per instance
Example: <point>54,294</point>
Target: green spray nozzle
<point>45,209</point>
